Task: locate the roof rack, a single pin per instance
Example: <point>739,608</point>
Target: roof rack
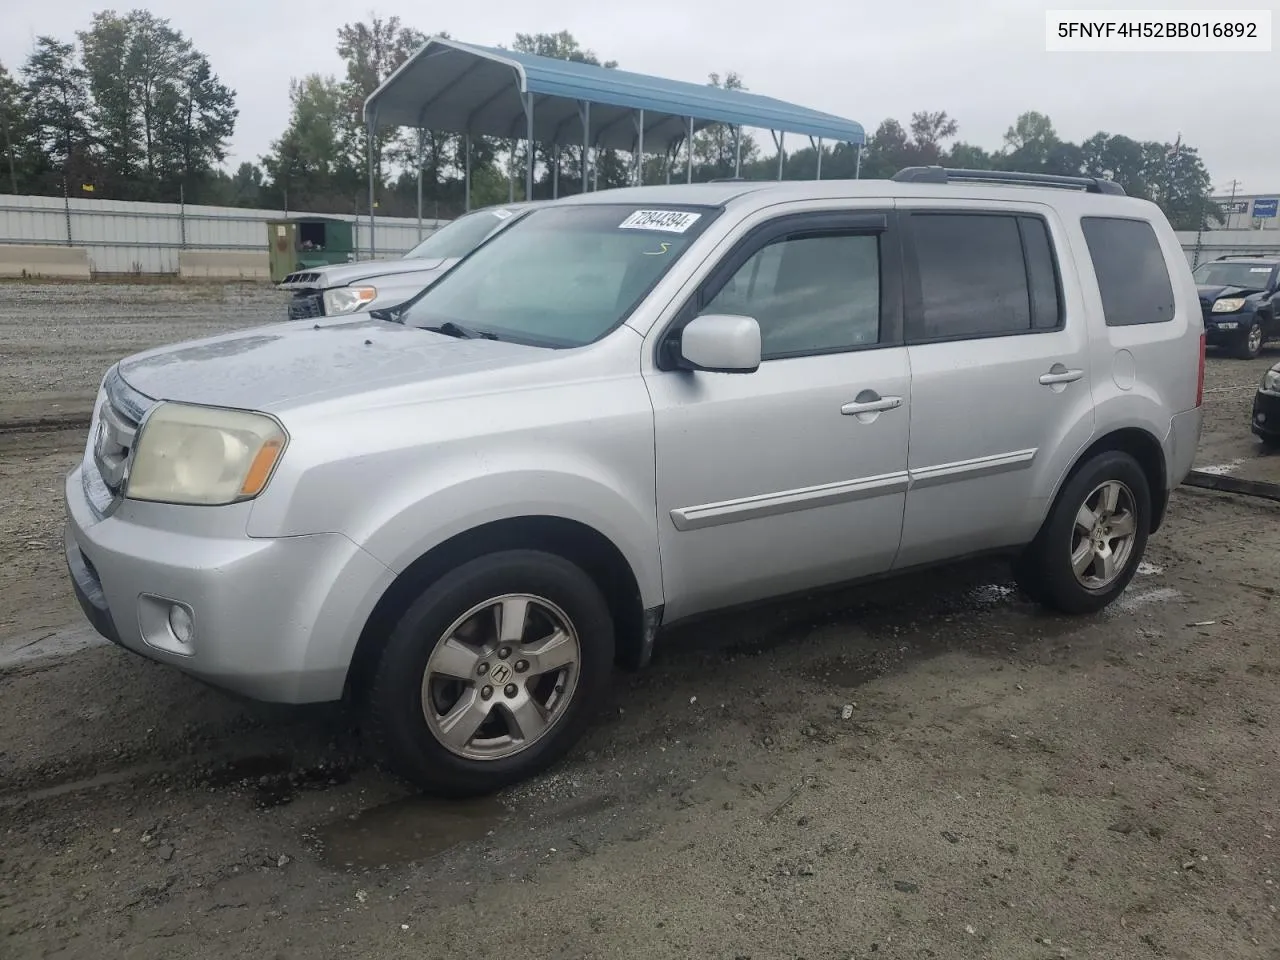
<point>727,180</point>
<point>1248,256</point>
<point>936,174</point>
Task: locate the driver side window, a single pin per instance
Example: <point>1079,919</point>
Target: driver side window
<point>810,293</point>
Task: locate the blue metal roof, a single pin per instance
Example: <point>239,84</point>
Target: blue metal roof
<point>458,87</point>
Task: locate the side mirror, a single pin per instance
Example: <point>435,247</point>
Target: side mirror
<point>719,343</point>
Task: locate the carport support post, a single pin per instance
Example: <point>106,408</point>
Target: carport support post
<point>372,127</point>
<point>555,172</point>
<point>511,174</point>
<point>737,150</point>
<point>640,150</point>
<point>528,171</point>
<point>857,162</point>
<point>421,150</point>
<point>818,175</point>
<point>466,176</point>
<point>781,140</point>
<point>688,154</point>
<point>584,114</point>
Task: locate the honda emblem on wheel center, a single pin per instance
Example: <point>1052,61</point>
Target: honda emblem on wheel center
<point>500,674</point>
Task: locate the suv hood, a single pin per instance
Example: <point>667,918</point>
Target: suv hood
<point>345,274</point>
<point>281,365</point>
<point>1217,293</point>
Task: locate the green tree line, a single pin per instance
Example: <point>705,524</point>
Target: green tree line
<point>132,110</point>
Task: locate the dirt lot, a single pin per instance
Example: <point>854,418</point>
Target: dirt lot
<point>1008,784</point>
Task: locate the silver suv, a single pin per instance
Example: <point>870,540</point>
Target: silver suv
<point>629,408</point>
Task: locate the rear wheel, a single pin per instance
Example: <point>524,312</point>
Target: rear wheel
<point>492,674</point>
<point>1093,540</point>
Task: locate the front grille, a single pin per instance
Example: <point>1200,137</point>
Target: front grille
<point>304,306</point>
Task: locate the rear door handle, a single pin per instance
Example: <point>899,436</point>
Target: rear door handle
<point>878,405</point>
<point>1060,374</point>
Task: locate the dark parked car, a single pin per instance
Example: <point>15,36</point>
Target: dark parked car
<point>1240,300</point>
<point>1266,408</point>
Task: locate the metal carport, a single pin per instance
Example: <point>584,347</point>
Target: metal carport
<point>461,88</point>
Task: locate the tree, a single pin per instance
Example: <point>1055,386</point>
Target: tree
<point>162,115</point>
<point>966,156</point>
<point>715,148</point>
<point>309,163</point>
<point>199,122</point>
<point>887,152</point>
<point>372,51</point>
<point>928,130</point>
<point>56,103</point>
<point>106,46</point>
<point>12,128</point>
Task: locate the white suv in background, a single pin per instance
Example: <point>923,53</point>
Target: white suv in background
<point>341,289</point>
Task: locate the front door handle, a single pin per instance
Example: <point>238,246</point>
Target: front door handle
<point>1060,374</point>
<point>872,404</point>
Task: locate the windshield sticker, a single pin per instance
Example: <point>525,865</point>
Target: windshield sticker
<point>502,214</point>
<point>668,221</point>
<point>663,247</point>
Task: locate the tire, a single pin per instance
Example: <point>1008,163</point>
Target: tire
<point>1045,571</point>
<point>1249,345</point>
<point>411,715</point>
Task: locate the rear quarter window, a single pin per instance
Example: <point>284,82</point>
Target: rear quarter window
<point>1133,277</point>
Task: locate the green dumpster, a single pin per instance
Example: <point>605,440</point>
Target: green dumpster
<point>301,243</point>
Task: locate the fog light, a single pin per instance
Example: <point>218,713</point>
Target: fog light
<point>180,622</point>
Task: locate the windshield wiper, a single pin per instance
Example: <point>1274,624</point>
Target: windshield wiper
<point>451,329</point>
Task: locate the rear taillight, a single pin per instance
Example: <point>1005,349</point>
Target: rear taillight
<point>1200,374</point>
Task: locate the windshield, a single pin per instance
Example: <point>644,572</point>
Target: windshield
<point>456,239</point>
<point>1251,276</point>
<point>561,276</point>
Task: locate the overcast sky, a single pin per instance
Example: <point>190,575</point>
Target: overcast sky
<point>983,61</point>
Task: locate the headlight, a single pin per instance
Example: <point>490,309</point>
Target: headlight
<point>1271,380</point>
<point>1230,305</point>
<point>348,299</point>
<point>204,455</point>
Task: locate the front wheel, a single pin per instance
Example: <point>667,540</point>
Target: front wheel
<point>1249,346</point>
<point>1093,540</point>
<point>492,674</point>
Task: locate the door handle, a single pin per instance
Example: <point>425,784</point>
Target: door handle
<point>1060,374</point>
<point>871,406</point>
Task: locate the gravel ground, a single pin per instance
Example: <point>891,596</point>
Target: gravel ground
<point>57,340</point>
<point>928,768</point>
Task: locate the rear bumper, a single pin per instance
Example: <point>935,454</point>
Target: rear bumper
<point>1225,329</point>
<point>274,619</point>
<point>1182,444</point>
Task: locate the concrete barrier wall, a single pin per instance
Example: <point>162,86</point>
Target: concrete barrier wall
<point>32,260</point>
<point>224,264</point>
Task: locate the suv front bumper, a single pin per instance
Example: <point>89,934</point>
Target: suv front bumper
<point>274,619</point>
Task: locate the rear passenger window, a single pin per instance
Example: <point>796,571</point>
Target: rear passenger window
<point>983,275</point>
<point>1042,274</point>
<point>1133,277</point>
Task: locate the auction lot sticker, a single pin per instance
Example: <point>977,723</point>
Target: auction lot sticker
<point>668,221</point>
